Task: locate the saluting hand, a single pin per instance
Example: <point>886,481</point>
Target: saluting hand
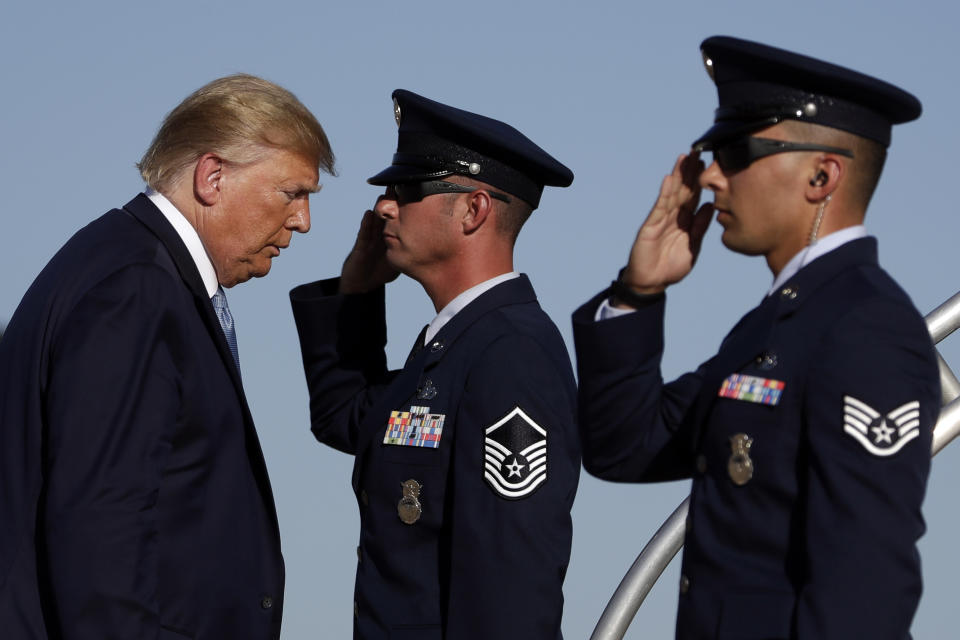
<point>668,242</point>
<point>366,267</point>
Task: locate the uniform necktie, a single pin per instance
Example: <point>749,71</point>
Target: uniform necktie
<point>219,301</point>
<point>418,345</point>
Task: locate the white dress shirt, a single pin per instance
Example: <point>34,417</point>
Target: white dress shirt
<point>190,238</point>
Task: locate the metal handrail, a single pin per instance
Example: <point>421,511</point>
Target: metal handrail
<point>668,539</point>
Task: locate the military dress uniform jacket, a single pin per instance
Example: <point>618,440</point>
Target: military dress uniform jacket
<point>808,440</point>
<point>483,546</point>
<point>134,499</point>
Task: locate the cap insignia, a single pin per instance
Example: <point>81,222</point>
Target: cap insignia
<point>708,65</point>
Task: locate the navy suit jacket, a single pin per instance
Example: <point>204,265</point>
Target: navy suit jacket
<point>134,498</point>
<point>487,556</point>
<point>817,539</point>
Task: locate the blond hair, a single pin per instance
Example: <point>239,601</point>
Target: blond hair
<point>237,117</point>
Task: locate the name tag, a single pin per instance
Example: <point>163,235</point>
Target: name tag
<point>414,428</point>
<point>752,389</point>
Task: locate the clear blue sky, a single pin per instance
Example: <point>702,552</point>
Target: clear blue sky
<point>613,89</point>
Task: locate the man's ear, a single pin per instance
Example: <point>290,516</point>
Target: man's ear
<point>825,177</point>
<point>207,177</point>
<point>479,208</point>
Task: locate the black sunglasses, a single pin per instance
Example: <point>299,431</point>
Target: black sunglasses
<point>740,153</point>
<point>408,192</point>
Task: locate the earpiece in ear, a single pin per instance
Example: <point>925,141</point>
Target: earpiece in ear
<point>819,180</point>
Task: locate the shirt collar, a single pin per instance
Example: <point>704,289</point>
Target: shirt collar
<point>461,301</point>
<point>190,238</point>
<point>819,248</point>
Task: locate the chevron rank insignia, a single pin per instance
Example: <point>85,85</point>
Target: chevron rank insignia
<point>881,435</point>
<point>414,428</point>
<point>515,455</point>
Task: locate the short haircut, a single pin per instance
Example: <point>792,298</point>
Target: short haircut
<point>868,156</point>
<point>237,117</point>
<point>510,216</point>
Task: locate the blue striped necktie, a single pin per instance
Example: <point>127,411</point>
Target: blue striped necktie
<point>219,301</point>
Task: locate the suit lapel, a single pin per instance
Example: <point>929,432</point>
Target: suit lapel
<point>143,210</point>
<point>147,213</point>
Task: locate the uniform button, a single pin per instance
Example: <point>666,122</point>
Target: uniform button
<point>684,584</point>
<point>767,361</point>
<point>356,610</point>
<point>436,346</point>
<point>266,602</point>
<point>428,391</point>
<point>789,293</point>
<point>363,497</point>
<point>702,464</point>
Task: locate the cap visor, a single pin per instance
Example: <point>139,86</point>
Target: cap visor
<point>405,173</point>
<point>728,130</point>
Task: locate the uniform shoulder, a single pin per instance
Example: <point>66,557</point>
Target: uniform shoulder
<point>522,338</point>
<point>527,323</point>
<point>866,312</point>
<point>869,289</point>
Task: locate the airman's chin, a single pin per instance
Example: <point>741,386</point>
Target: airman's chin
<point>730,241</point>
<point>394,260</point>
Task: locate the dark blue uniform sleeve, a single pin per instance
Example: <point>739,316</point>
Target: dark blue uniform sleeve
<point>871,403</point>
<point>341,340</point>
<point>510,511</point>
<point>111,402</point>
<point>631,423</point>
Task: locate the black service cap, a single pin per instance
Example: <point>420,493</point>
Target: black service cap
<point>759,85</point>
<point>436,141</point>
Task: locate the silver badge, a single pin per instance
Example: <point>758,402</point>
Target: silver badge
<point>409,508</point>
<point>740,466</point>
<point>396,111</point>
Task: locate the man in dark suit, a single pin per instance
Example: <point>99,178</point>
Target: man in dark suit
<point>466,460</point>
<point>135,498</point>
<point>808,435</point>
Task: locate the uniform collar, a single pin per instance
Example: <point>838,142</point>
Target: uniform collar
<point>819,248</point>
<point>511,291</point>
<point>461,301</point>
<point>855,253</point>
